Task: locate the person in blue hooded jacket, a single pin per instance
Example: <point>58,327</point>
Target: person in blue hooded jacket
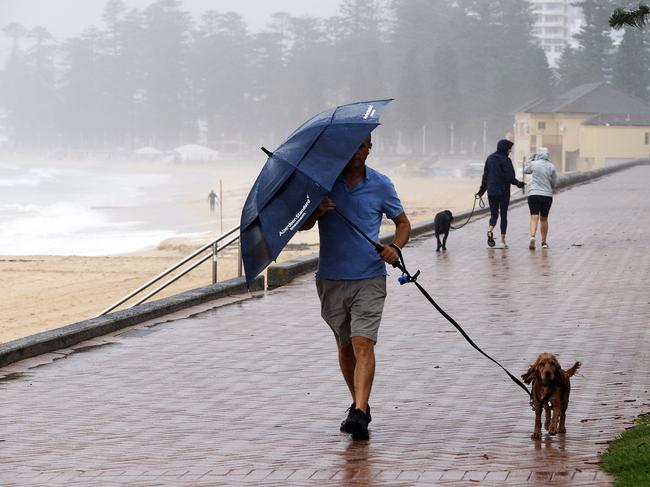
<point>498,175</point>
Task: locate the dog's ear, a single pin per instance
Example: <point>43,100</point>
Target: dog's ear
<point>558,368</point>
<point>450,215</point>
<point>530,374</point>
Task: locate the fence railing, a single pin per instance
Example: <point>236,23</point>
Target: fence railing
<point>211,251</point>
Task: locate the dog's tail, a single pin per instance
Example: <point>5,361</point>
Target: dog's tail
<point>570,372</point>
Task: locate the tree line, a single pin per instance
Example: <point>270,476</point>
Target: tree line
<point>159,76</point>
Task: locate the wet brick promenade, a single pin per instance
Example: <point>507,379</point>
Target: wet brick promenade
<point>250,393</point>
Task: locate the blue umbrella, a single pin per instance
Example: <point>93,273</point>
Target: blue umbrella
<point>297,176</point>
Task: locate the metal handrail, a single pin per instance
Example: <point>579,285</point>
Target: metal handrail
<point>215,250</point>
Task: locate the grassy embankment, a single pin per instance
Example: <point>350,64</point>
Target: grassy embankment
<point>628,456</point>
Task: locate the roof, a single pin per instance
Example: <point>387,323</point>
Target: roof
<point>598,98</point>
<point>620,119</point>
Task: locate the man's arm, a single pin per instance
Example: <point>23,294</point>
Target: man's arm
<point>402,235</point>
<point>483,187</point>
<point>509,170</point>
<point>326,205</point>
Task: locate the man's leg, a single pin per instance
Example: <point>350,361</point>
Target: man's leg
<point>348,363</point>
<point>334,310</point>
<point>364,372</point>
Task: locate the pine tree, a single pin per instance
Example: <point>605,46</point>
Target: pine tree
<point>567,75</point>
<point>41,102</point>
<point>632,18</point>
<point>593,57</point>
<point>168,109</point>
<point>13,94</point>
<point>631,64</point>
<point>221,74</point>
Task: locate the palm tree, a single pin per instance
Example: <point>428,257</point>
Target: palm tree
<point>633,18</point>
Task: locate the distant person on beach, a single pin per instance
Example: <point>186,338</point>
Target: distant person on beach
<point>351,276</point>
<point>498,175</point>
<point>540,193</point>
<point>214,200</point>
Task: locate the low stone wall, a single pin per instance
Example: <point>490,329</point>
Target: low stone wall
<point>280,274</point>
<point>70,335</point>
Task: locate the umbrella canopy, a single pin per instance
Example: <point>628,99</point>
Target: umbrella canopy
<point>297,176</point>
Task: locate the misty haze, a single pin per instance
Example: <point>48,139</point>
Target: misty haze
<point>134,140</point>
<point>343,243</point>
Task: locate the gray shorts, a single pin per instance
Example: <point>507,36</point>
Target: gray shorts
<point>352,308</point>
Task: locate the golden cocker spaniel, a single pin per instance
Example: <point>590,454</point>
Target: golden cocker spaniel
<point>550,390</point>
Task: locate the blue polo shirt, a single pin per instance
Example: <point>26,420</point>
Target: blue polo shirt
<point>344,254</point>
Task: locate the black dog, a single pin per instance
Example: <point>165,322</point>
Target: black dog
<point>441,225</point>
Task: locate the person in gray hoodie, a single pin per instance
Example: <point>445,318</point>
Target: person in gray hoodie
<point>540,193</point>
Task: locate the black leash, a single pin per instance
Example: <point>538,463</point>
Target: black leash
<point>407,277</point>
<point>481,205</point>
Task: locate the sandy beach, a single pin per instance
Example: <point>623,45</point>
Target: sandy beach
<point>43,292</point>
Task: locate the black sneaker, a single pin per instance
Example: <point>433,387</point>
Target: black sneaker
<point>357,424</point>
<point>344,423</point>
<point>490,239</point>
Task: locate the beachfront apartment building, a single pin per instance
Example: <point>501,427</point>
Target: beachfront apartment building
<point>589,127</point>
<point>555,23</point>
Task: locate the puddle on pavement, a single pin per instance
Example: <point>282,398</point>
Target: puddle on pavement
<point>13,376</point>
<point>138,332</point>
<point>90,348</point>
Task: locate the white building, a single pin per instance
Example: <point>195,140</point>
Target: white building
<point>554,26</point>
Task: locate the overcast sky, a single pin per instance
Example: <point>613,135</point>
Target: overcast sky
<point>65,18</point>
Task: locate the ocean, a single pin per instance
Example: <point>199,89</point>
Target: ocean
<point>98,210</point>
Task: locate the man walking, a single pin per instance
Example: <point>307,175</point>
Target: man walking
<point>498,175</point>
<point>213,198</point>
<point>351,276</point>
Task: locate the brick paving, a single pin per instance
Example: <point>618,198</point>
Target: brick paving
<point>250,393</point>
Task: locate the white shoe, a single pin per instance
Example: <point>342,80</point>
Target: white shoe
<point>531,243</point>
<point>544,245</point>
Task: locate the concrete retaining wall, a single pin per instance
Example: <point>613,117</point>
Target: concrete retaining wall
<point>69,335</point>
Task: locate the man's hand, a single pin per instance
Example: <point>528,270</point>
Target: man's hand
<point>326,205</point>
<point>389,254</point>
